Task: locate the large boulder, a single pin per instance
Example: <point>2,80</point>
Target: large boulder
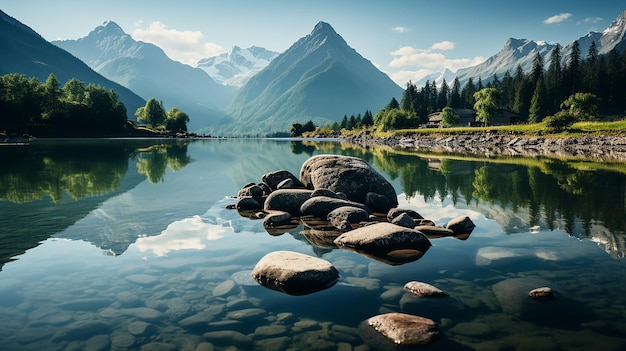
<point>386,242</point>
<point>343,218</point>
<point>294,273</point>
<point>349,175</point>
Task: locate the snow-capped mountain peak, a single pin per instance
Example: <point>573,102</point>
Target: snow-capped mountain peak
<point>238,65</point>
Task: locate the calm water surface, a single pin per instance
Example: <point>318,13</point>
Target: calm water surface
<point>128,245</point>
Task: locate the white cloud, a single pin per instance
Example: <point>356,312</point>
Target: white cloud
<point>408,56</point>
<point>184,46</point>
<point>399,29</point>
<point>187,234</point>
<point>414,64</point>
<point>443,45</point>
<point>558,18</point>
<point>591,20</point>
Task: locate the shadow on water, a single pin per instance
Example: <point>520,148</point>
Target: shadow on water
<point>63,181</point>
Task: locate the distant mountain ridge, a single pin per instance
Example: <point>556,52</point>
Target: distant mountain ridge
<point>24,51</point>
<point>318,78</point>
<point>237,66</point>
<point>522,52</point>
<point>148,71</point>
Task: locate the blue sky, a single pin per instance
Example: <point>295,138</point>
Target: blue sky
<point>405,38</point>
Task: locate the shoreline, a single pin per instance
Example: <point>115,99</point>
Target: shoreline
<point>589,147</point>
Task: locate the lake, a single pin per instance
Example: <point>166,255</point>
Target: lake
<point>129,245</point>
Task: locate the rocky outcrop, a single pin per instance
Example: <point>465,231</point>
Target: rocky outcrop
<point>592,147</point>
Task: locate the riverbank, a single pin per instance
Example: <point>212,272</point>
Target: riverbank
<point>592,147</point>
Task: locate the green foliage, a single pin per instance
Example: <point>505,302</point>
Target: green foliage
<point>581,106</point>
<point>386,120</point>
<point>28,106</point>
<point>152,113</point>
<point>487,104</point>
<point>559,122</point>
<point>176,120</point>
<point>449,117</point>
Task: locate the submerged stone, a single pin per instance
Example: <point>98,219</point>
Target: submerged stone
<point>294,273</point>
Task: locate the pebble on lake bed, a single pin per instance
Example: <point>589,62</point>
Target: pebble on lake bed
<point>542,294</point>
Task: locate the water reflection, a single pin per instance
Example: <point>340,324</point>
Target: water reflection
<point>63,181</point>
<point>584,199</point>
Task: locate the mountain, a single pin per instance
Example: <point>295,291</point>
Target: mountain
<point>24,51</point>
<point>437,77</point>
<point>522,52</point>
<point>318,78</point>
<point>237,66</point>
<point>515,52</point>
<point>147,70</point>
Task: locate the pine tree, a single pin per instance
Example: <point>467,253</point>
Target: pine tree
<point>537,70</point>
<point>538,106</point>
<point>444,94</point>
<point>467,94</point>
<point>455,94</point>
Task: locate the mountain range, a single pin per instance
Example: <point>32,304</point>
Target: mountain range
<point>252,91</point>
<point>522,52</point>
<point>237,66</point>
<point>24,51</point>
<point>319,78</point>
<point>148,71</point>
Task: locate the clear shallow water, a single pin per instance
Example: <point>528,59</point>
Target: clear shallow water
<point>127,245</point>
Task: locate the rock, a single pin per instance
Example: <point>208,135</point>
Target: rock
<point>275,179</point>
<point>139,328</point>
<point>142,279</point>
<point>395,212</point>
<point>143,313</point>
<point>224,288</point>
<point>287,200</point>
<point>461,225</point>
<point>542,294</point>
<point>423,289</point>
<point>228,338</point>
<point>251,190</point>
<point>404,220</point>
<point>377,203</point>
<point>321,238</point>
<point>386,242</point>
<point>404,329</point>
<point>344,217</point>
<point>248,203</point>
<point>321,206</point>
<point>433,232</point>
<point>294,273</point>
<point>277,219</point>
<point>349,175</point>
<point>329,193</point>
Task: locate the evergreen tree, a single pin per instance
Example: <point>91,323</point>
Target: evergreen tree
<point>537,70</point>
<point>554,82</point>
<point>507,89</point>
<point>523,96</point>
<point>368,119</point>
<point>467,94</point>
<point>480,86</point>
<point>538,109</point>
<point>572,71</point>
<point>444,94</point>
<point>409,98</point>
<point>351,123</point>
<point>393,104</point>
<point>455,94</point>
<point>344,122</point>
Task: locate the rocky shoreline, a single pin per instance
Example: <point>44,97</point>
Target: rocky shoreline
<point>589,147</point>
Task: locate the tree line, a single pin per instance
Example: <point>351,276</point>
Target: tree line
<point>28,106</point>
<point>557,93</point>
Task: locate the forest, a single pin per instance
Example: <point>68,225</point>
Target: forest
<point>548,92</point>
<point>30,107</point>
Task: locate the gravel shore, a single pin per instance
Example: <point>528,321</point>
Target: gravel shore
<point>591,147</point>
